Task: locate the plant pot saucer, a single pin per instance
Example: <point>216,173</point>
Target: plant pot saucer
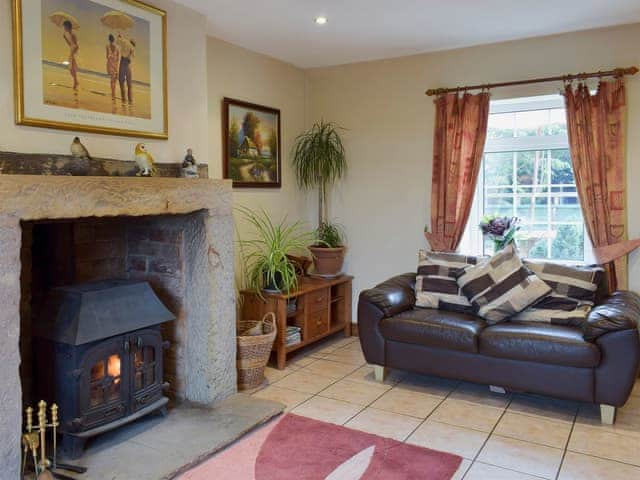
<point>321,275</point>
<point>269,290</point>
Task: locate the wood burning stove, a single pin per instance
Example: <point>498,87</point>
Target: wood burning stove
<point>99,356</point>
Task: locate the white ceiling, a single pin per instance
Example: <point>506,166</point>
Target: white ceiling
<point>361,30</point>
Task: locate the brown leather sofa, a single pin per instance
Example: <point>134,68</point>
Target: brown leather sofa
<point>597,362</point>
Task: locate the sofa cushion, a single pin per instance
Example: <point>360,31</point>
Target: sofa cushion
<point>434,328</point>
<point>436,285</point>
<point>578,282</point>
<point>574,290</point>
<point>501,286</point>
<point>539,342</point>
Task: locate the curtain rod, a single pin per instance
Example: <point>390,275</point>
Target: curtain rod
<point>616,72</point>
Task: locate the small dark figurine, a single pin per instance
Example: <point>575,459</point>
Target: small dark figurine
<point>189,159</point>
<point>189,166</point>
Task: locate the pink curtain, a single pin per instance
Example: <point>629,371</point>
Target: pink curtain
<point>458,145</point>
<point>596,127</point>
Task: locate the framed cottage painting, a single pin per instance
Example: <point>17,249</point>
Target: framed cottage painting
<point>251,144</point>
<point>91,65</point>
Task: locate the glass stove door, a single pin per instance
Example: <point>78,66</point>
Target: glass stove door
<point>146,367</point>
<point>103,386</point>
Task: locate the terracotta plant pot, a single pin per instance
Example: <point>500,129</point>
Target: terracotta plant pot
<point>327,261</point>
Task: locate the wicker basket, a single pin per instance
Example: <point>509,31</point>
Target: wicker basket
<point>254,351</point>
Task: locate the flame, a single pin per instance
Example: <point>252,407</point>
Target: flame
<point>113,366</point>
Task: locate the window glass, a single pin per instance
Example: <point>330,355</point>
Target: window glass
<point>501,125</point>
<point>557,122</point>
<point>498,168</point>
<point>527,172</point>
<point>532,123</point>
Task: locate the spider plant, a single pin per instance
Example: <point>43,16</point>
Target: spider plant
<point>319,161</point>
<point>265,260</point>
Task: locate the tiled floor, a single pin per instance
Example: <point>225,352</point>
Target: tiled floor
<point>500,437</point>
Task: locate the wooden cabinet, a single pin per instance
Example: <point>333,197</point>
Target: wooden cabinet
<point>317,323</point>
<point>322,307</point>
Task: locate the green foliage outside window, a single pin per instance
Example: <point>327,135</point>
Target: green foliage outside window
<point>569,243</point>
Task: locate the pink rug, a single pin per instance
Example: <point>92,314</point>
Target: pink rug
<point>299,448</point>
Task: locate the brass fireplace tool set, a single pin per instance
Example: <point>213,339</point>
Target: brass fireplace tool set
<point>34,445</point>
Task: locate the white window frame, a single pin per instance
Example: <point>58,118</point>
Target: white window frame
<point>472,240</point>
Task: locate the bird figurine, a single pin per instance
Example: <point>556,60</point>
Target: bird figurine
<point>144,160</point>
<point>78,150</point>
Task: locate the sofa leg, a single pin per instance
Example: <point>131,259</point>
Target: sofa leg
<point>379,373</point>
<point>607,414</point>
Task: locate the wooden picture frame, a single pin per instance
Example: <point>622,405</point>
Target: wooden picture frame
<point>64,80</point>
<point>249,160</point>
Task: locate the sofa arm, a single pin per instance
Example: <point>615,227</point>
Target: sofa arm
<point>384,300</point>
<point>392,296</point>
<point>619,311</point>
<point>618,369</point>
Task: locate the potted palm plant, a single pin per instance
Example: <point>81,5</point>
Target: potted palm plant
<point>265,254</point>
<point>319,162</point>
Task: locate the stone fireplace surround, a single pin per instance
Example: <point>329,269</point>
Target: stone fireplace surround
<point>192,218</point>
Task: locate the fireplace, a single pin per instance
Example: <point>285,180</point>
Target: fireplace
<point>99,356</point>
<point>174,234</point>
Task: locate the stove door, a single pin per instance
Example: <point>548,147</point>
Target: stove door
<point>103,386</point>
<point>146,368</point>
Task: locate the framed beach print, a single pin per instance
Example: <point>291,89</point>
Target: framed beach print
<point>91,65</point>
<point>251,144</point>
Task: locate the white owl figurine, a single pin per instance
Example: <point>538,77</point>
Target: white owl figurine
<point>144,160</point>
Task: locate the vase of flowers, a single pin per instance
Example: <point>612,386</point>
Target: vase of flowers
<point>500,230</point>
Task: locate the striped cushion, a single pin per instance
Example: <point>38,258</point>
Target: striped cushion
<point>574,291</point>
<point>501,286</point>
<point>436,285</point>
<point>572,281</point>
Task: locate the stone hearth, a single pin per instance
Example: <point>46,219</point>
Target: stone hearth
<point>191,218</point>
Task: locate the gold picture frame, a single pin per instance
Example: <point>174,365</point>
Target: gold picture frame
<point>260,165</point>
<point>151,120</point>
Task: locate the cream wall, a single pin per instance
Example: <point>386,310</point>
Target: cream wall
<point>385,201</point>
<point>244,75</point>
<point>186,79</point>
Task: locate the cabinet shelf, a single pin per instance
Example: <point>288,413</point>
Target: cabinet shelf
<point>304,343</point>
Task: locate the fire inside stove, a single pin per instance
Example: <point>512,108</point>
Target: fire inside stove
<point>105,387</point>
<point>100,348</point>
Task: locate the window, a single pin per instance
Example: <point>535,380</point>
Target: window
<point>527,173</point>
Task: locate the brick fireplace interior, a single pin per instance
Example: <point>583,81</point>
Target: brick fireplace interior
<point>64,252</point>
